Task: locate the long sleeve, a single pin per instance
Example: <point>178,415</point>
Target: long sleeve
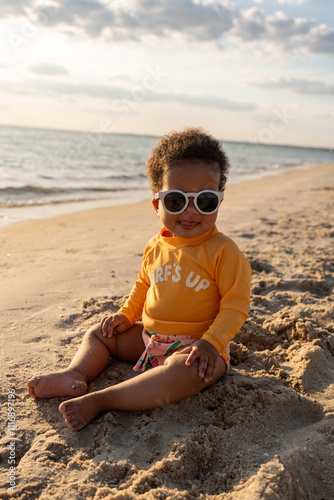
<point>133,307</point>
<point>233,274</point>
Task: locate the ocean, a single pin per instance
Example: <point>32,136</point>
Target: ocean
<point>51,172</point>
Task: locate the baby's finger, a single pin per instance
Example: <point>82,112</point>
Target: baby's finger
<point>103,323</point>
<point>203,363</point>
<point>209,370</point>
<point>111,327</point>
<point>194,354</point>
<point>107,328</point>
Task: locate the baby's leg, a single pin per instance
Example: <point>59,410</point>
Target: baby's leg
<point>156,387</point>
<point>91,358</point>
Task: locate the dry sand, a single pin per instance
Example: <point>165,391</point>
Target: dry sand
<point>265,431</point>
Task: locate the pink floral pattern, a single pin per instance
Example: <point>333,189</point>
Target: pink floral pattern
<point>159,347</point>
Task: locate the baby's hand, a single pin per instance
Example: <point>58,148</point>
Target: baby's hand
<point>117,323</point>
<point>207,355</point>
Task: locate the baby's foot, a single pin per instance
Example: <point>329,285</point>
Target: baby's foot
<point>53,385</point>
<point>80,411</point>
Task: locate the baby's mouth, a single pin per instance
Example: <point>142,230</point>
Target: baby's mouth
<point>185,224</point>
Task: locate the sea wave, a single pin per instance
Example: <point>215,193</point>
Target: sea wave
<point>42,190</point>
<point>58,197</point>
<point>19,191</point>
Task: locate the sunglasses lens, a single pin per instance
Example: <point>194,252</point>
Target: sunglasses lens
<point>174,202</point>
<point>207,202</point>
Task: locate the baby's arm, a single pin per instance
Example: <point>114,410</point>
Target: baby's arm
<point>117,323</point>
<point>232,275</point>
<point>131,311</point>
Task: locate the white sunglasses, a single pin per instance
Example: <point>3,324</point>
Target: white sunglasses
<point>175,201</point>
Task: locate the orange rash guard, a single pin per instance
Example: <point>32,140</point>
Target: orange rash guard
<point>192,286</point>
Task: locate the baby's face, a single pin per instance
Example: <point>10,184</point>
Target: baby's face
<point>189,176</point>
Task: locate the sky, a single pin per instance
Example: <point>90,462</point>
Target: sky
<point>255,71</point>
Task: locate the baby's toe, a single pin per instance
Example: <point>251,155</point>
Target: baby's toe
<point>31,384</point>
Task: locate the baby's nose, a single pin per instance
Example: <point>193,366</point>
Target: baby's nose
<point>191,205</point>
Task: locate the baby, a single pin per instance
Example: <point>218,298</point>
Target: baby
<point>191,295</point>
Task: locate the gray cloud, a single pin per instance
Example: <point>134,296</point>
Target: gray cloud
<point>119,96</point>
<point>206,101</point>
<point>144,18</point>
<point>321,40</point>
<point>13,7</point>
<point>48,69</point>
<point>278,29</point>
<point>282,31</point>
<point>299,86</point>
<point>186,20</point>
<point>282,2</point>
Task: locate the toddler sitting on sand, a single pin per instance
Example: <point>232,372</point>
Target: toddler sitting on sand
<point>192,295</point>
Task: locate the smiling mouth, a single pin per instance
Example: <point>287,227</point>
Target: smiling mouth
<point>187,225</point>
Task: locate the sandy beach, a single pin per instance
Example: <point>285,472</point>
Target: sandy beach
<point>265,431</point>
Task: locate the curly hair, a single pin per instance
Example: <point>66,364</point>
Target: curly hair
<point>189,144</point>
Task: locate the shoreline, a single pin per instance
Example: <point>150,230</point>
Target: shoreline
<point>16,214</point>
<point>39,211</point>
<point>272,414</point>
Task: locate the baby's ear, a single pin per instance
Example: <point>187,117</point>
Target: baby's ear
<point>155,204</point>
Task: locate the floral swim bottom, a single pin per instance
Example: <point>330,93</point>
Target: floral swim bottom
<point>159,347</point>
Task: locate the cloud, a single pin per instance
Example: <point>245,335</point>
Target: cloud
<point>119,96</point>
<point>13,7</point>
<point>207,101</point>
<point>321,40</point>
<point>177,21</point>
<point>48,69</point>
<point>136,20</point>
<point>299,2</point>
<point>254,25</point>
<point>296,85</point>
<point>283,31</point>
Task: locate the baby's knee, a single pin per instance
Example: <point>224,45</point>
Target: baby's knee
<point>178,361</point>
<point>95,334</point>
<point>94,331</point>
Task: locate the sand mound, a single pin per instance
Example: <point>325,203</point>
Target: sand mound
<point>260,433</point>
